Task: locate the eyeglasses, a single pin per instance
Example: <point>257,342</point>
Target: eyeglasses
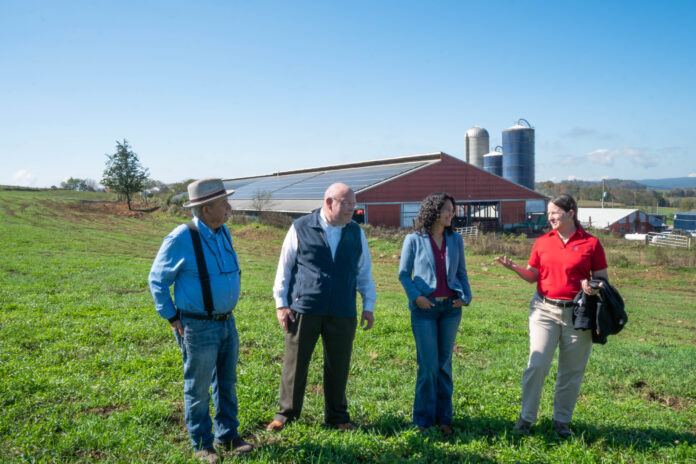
<point>347,204</point>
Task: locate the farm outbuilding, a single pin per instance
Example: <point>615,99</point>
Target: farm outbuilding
<point>619,221</point>
<point>389,191</point>
<point>685,220</point>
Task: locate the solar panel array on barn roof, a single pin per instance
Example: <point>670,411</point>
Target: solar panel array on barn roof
<point>313,184</point>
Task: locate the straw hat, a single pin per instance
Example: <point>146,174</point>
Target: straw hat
<point>204,191</point>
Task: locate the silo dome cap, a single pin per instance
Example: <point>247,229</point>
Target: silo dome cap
<point>477,131</point>
<point>518,127</point>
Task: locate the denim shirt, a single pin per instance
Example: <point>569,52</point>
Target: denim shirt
<point>176,264</point>
<point>417,272</point>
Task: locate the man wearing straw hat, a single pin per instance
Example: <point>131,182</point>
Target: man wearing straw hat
<point>199,260</point>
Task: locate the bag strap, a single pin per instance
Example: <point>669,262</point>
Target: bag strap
<point>202,268</point>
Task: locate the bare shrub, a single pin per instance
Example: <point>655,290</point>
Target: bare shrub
<point>262,200</point>
<point>238,217</point>
<point>618,260</point>
<point>389,234</point>
<point>275,219</point>
<point>177,210</point>
<point>674,257</point>
<point>496,244</point>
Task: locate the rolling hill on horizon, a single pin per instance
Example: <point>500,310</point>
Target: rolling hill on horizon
<point>666,183</point>
<point>669,183</point>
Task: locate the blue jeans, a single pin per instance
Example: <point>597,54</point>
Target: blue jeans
<point>435,331</point>
<point>209,351</point>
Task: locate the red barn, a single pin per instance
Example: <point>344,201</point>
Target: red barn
<point>389,191</point>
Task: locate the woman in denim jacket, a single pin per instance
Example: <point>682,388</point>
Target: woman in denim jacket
<point>433,274</point>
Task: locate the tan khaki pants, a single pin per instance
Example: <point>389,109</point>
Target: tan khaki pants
<point>549,327</point>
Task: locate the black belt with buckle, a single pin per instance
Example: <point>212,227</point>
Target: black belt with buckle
<point>559,303</point>
<point>212,317</point>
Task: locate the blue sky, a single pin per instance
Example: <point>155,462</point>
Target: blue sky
<point>241,88</point>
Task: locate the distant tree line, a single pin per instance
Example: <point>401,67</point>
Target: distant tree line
<point>626,192</point>
<point>681,193</point>
<point>81,185</point>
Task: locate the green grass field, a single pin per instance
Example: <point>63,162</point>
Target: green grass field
<point>89,372</point>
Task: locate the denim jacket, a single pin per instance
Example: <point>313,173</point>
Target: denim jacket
<point>417,267</point>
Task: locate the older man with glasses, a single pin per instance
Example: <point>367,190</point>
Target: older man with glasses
<point>199,260</point>
<point>324,261</point>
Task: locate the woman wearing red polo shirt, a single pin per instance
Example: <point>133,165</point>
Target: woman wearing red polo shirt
<point>561,263</point>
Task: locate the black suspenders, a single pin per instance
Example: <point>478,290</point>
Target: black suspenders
<point>202,268</point>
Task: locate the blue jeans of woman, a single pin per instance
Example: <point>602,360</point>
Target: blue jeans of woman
<point>209,350</point>
<point>434,330</point>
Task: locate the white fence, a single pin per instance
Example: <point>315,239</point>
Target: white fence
<point>668,240</point>
<point>468,233</point>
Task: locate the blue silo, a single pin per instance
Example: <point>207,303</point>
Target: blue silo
<point>518,154</point>
<point>493,162</point>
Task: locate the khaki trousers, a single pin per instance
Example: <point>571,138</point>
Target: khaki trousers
<point>549,327</point>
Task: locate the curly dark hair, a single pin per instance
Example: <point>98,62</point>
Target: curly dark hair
<point>430,210</point>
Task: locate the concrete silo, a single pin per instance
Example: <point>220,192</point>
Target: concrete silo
<point>476,140</point>
<point>518,154</point>
<point>493,161</point>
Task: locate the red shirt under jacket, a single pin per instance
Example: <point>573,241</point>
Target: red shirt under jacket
<point>440,254</point>
<point>563,266</point>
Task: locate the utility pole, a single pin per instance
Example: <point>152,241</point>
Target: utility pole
<point>604,193</point>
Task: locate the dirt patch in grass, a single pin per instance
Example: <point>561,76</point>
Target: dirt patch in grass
<point>107,411</point>
<point>647,394</point>
<point>114,208</point>
<point>9,211</point>
<point>317,389</point>
<point>131,292</point>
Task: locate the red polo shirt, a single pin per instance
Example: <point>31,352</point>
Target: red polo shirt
<point>563,266</point>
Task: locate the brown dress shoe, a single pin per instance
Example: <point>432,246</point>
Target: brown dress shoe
<point>275,426</point>
<point>208,455</point>
<point>345,427</point>
<point>446,429</point>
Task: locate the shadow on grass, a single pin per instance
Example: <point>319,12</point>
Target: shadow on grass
<point>146,210</point>
<point>398,441</point>
<point>640,439</point>
<point>413,450</point>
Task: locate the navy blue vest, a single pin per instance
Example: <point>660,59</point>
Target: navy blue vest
<point>322,285</point>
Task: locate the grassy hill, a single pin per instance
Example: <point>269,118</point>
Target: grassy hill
<point>90,373</point>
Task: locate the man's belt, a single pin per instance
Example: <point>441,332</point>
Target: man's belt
<point>206,317</point>
<point>558,303</point>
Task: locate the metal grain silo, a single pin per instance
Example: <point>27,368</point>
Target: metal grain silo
<point>476,140</point>
<point>518,154</point>
<point>493,161</point>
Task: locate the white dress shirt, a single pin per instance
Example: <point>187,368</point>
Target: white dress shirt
<point>365,285</point>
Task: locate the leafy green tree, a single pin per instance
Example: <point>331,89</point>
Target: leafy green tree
<point>124,174</point>
<point>687,204</point>
<point>73,183</point>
